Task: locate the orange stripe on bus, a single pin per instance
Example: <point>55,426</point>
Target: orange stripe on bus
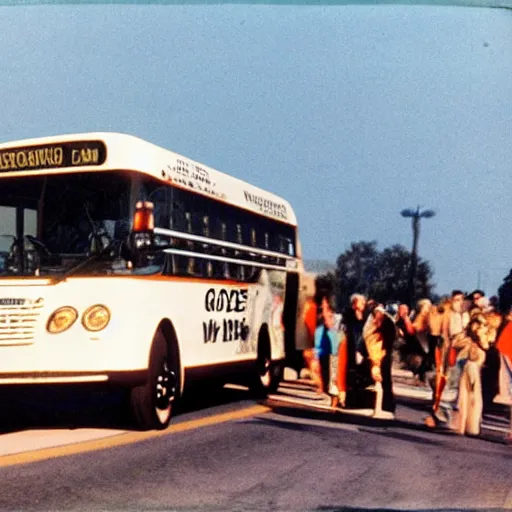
<point>162,277</point>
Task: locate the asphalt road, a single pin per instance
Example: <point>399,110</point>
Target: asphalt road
<point>231,453</point>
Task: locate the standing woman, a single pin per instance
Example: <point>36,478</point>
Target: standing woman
<point>480,332</point>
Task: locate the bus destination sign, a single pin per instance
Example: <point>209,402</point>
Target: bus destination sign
<point>53,156</point>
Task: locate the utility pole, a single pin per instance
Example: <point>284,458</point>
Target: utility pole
<point>415,216</point>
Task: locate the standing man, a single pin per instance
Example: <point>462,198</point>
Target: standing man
<point>326,346</point>
<point>477,302</point>
<point>380,335</point>
<point>358,372</point>
<point>414,353</point>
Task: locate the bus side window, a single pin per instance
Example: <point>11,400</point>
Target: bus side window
<point>221,233</point>
<point>199,226</point>
<point>283,245</point>
<point>189,245</point>
<point>196,223</point>
<point>208,264</point>
<point>241,269</point>
<point>231,253</point>
<point>178,223</point>
<point>252,271</point>
<point>291,248</point>
<point>159,197</point>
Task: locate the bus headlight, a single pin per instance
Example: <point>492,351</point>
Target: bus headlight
<point>61,319</point>
<point>96,318</point>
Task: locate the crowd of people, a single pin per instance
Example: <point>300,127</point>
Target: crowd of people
<point>462,340</point>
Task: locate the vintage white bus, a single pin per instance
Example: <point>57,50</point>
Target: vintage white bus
<point>124,263</point>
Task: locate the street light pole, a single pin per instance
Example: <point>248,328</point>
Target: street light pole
<point>415,216</point>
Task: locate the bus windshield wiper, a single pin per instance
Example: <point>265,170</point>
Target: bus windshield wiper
<point>81,264</point>
<point>97,236</point>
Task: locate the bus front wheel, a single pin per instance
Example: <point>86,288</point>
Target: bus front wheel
<point>152,403</point>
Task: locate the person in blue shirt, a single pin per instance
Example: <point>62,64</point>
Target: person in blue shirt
<point>326,345</point>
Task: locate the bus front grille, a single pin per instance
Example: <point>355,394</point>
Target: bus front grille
<point>18,320</point>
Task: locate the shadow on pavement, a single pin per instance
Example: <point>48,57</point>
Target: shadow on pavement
<point>366,424</point>
<point>57,407</point>
<point>400,429</point>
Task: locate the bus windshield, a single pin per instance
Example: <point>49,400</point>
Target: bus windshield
<point>50,223</point>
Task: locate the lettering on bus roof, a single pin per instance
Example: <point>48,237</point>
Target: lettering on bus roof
<point>53,156</point>
<point>193,177</point>
<point>266,206</point>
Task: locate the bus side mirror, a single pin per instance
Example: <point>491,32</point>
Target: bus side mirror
<point>143,226</point>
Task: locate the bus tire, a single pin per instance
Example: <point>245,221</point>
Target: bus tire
<point>152,403</point>
<point>268,373</point>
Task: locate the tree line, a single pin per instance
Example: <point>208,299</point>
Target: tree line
<point>383,276</point>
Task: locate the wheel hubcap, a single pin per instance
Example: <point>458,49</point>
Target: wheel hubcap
<point>165,387</point>
<point>265,372</point>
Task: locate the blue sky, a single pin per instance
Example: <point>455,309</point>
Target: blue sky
<point>352,113</point>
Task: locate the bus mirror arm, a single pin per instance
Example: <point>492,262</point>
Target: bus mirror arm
<point>137,249</point>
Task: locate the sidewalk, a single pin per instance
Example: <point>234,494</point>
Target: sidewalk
<point>404,385</point>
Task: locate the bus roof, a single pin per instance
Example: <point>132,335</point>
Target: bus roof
<point>98,151</point>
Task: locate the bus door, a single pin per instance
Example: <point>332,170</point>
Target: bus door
<point>303,339</point>
<point>290,311</point>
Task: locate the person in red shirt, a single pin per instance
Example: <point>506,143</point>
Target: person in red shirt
<point>310,316</point>
<point>504,346</point>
